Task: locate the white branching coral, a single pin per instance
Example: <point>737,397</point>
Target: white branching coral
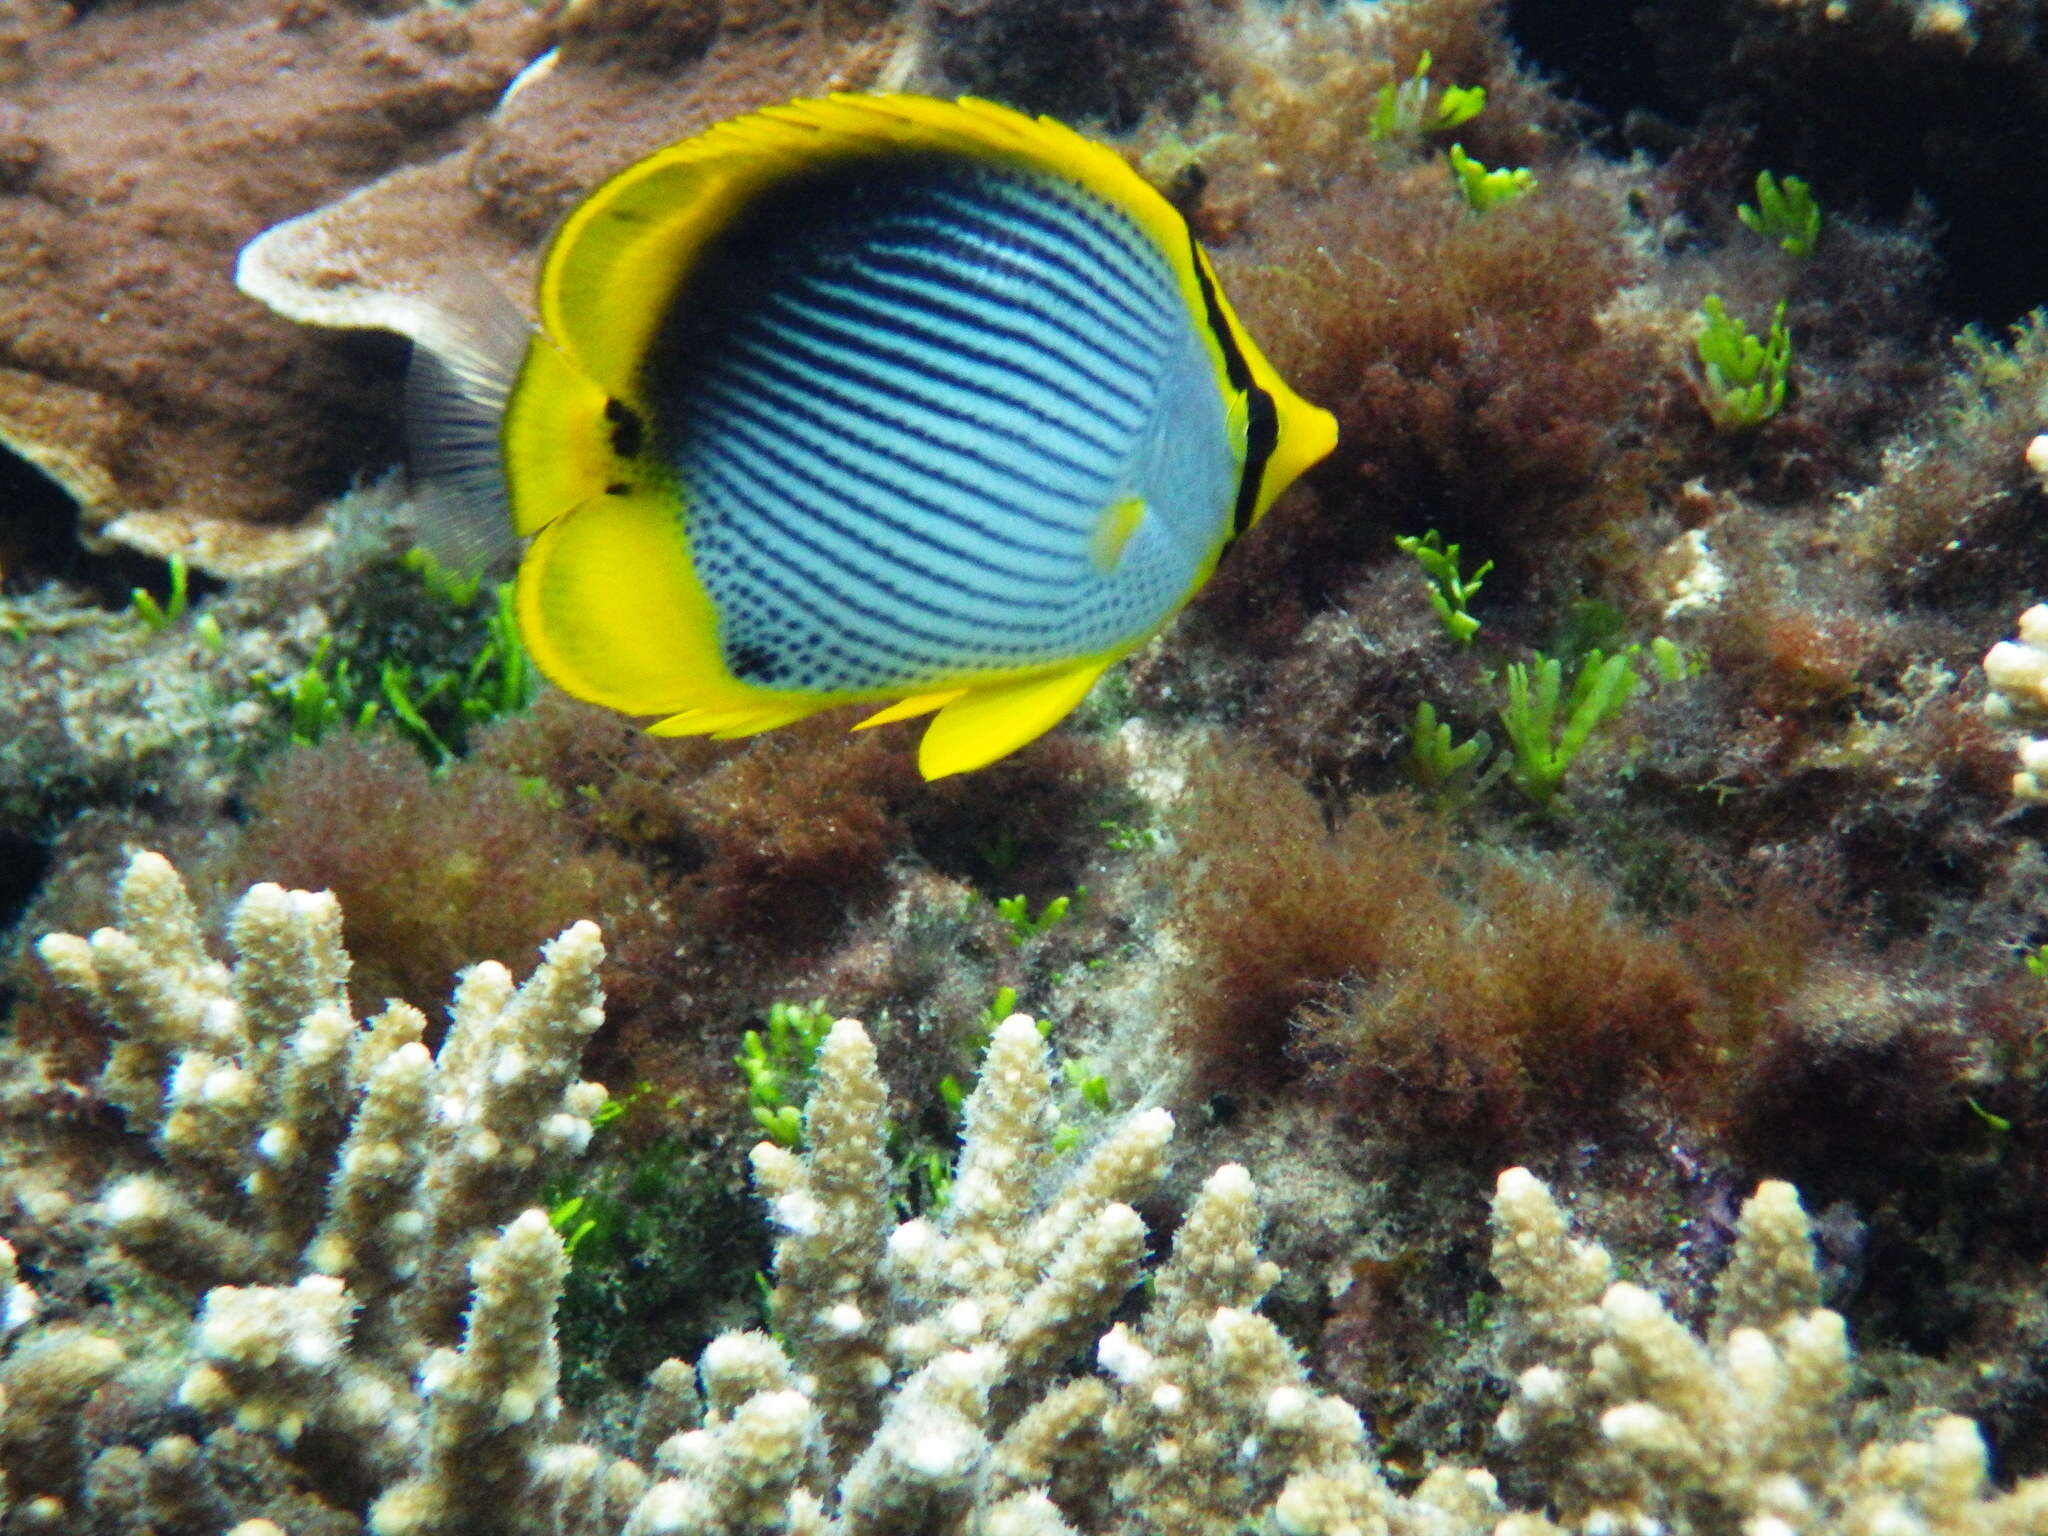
<point>354,1190</point>
<point>2018,673</point>
<point>378,1353</point>
<point>377,1292</point>
<point>1633,1423</point>
<point>925,1379</point>
<point>294,1138</point>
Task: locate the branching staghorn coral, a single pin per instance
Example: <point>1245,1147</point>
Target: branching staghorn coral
<point>1633,1423</point>
<point>974,1371</point>
<point>293,1137</point>
<point>2018,673</point>
<point>348,1185</point>
<point>924,1378</point>
<point>930,1375</point>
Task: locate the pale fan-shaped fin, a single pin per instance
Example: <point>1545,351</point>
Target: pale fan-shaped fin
<point>456,391</point>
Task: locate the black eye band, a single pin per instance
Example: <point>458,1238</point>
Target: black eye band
<point>1262,421</point>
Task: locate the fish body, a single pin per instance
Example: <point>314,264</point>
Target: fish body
<point>876,399</point>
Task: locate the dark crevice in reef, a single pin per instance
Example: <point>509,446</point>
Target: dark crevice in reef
<point>24,863</point>
<point>38,524</point>
<point>39,543</point>
<point>1948,124</point>
<point>1594,48</point>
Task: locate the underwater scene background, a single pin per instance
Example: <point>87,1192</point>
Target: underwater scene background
<point>1525,1008</point>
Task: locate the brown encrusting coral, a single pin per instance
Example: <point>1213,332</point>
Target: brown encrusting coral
<point>147,145</point>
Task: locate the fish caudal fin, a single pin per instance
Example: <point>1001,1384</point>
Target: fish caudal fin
<point>456,391</point>
<point>992,721</point>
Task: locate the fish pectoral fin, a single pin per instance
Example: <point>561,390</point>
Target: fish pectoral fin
<point>909,709</point>
<point>1113,530</point>
<point>1237,423</point>
<point>984,724</point>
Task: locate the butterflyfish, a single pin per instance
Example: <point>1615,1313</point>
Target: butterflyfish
<point>880,399</point>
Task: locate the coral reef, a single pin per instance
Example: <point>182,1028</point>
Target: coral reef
<point>2017,671</point>
<point>399,253</point>
<point>923,1375</point>
<point>1782,919</point>
<point>1639,1423</point>
<point>957,1371</point>
<point>332,1187</point>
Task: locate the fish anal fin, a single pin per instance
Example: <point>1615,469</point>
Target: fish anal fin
<point>611,609</point>
<point>984,724</point>
<point>909,709</point>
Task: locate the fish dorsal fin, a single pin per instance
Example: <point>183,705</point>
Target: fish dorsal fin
<point>979,727</point>
<point>618,260</point>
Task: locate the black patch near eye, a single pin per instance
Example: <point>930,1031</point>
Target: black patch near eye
<point>627,432</point>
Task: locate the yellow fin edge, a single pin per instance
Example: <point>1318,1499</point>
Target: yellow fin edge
<point>613,267</point>
<point>612,612</point>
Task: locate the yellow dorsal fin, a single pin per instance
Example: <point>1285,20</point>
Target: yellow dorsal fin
<point>986,723</point>
<point>615,265</point>
<point>1113,530</point>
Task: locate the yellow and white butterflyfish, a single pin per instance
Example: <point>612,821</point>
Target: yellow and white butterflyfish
<point>875,399</point>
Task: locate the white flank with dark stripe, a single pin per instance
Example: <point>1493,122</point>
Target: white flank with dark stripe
<point>898,413</point>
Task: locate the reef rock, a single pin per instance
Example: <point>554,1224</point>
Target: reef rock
<point>140,147</point>
<point>627,77</point>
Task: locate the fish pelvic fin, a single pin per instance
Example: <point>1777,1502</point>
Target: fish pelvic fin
<point>992,721</point>
<point>910,709</point>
